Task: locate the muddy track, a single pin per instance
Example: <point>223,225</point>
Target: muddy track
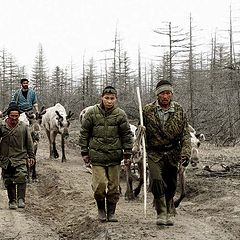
<point>61,206</point>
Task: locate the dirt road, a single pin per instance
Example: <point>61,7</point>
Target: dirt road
<point>61,206</point>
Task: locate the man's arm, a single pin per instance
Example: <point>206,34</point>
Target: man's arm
<point>34,101</point>
<point>35,107</point>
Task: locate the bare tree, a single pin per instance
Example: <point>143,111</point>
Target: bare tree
<point>40,79</point>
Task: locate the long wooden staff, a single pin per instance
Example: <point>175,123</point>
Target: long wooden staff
<point>144,154</point>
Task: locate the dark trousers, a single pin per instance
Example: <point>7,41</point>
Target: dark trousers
<point>163,177</point>
<point>14,175</point>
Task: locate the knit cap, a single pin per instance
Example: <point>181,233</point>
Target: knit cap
<point>163,85</point>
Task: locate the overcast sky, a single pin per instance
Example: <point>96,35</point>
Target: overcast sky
<point>68,29</point>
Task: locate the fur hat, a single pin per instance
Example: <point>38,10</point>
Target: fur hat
<point>163,85</point>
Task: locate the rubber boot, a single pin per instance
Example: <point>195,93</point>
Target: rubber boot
<point>161,208</point>
<point>11,190</point>
<point>101,211</point>
<point>21,191</point>
<point>111,207</point>
<point>170,212</point>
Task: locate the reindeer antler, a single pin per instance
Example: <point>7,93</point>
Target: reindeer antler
<point>70,114</point>
<point>59,115</point>
<point>41,113</point>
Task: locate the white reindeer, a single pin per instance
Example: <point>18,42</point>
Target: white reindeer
<point>56,121</point>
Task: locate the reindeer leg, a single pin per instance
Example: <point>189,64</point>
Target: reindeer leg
<point>129,192</point>
<point>181,173</point>
<point>63,149</point>
<point>138,188</point>
<point>34,174</point>
<point>54,151</point>
<point>28,172</point>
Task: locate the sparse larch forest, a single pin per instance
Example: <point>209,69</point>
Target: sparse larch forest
<point>207,84</point>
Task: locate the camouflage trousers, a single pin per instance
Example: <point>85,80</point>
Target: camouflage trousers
<point>105,183</point>
<point>163,176</point>
<point>14,175</point>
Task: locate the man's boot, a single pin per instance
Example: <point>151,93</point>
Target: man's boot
<point>21,191</point>
<point>101,211</point>
<point>170,212</point>
<point>11,190</point>
<point>161,208</point>
<point>111,207</point>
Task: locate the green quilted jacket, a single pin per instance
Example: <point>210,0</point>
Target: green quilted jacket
<point>105,135</point>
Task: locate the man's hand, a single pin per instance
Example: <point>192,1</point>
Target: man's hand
<point>127,161</point>
<point>141,128</point>
<point>31,162</point>
<point>184,161</point>
<point>86,159</point>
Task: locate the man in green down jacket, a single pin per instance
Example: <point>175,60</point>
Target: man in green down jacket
<point>16,149</point>
<point>168,144</point>
<point>106,139</point>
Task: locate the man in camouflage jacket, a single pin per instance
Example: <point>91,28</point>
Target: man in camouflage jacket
<point>16,150</point>
<point>168,143</point>
<point>105,139</point>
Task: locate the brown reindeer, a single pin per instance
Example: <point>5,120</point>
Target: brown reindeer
<point>35,130</point>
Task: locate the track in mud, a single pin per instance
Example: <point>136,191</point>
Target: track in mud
<point>61,205</point>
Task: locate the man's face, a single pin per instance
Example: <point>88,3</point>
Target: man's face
<point>14,116</point>
<point>25,84</point>
<point>109,100</point>
<point>165,98</point>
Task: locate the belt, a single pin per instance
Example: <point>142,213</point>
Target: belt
<point>164,148</point>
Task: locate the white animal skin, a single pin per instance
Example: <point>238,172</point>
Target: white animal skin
<point>23,117</point>
<point>83,112</point>
<point>195,142</point>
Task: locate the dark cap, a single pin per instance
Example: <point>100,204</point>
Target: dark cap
<point>24,80</point>
<point>163,82</point>
<point>13,107</point>
<point>109,89</point>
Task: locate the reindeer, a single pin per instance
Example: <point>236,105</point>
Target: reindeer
<point>196,139</point>
<point>56,121</point>
<point>34,122</point>
<point>131,193</point>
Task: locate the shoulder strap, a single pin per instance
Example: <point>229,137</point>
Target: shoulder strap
<point>10,132</point>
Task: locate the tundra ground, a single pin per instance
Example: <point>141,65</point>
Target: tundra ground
<point>61,205</point>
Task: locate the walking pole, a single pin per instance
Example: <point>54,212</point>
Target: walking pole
<point>144,155</point>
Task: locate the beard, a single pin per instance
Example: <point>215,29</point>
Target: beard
<point>25,88</point>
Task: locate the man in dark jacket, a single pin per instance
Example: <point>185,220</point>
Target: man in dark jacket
<point>105,139</point>
<point>168,144</point>
<point>16,149</point>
